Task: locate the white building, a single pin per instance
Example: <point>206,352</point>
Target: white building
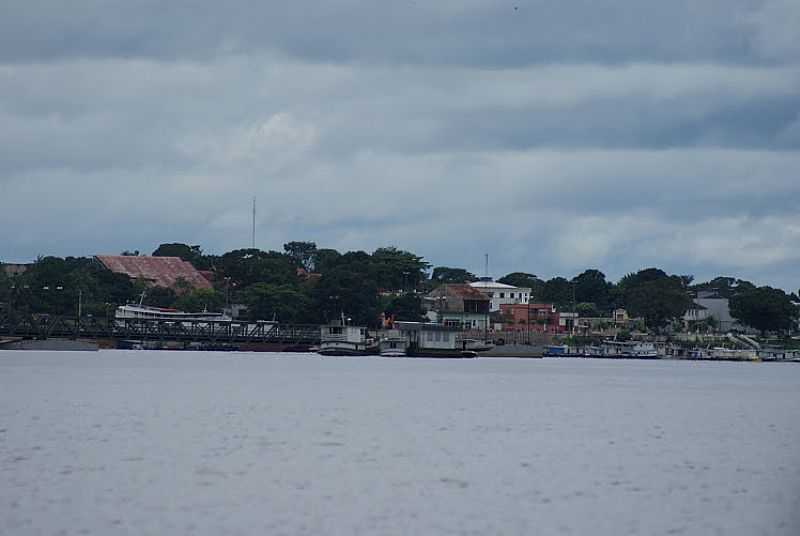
<point>501,294</point>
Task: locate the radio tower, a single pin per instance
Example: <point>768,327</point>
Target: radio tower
<point>253,245</point>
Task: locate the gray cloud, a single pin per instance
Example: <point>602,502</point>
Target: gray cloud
<point>555,137</point>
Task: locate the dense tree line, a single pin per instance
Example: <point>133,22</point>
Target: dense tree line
<point>306,284</point>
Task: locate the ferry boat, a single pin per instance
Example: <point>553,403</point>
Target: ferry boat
<point>340,339</point>
<point>434,340</point>
<point>624,350</point>
<point>147,312</point>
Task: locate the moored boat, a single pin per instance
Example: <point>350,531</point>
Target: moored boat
<point>340,339</point>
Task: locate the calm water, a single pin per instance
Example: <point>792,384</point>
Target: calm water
<point>203,443</point>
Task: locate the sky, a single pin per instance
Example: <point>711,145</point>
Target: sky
<point>554,136</point>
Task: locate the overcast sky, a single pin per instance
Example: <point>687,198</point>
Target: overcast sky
<point>553,135</point>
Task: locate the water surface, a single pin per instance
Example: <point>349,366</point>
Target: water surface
<point>211,443</point>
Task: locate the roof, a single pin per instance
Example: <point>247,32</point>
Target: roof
<point>160,271</point>
<point>463,291</point>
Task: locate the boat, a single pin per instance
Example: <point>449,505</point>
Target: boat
<point>137,311</point>
<point>394,346</point>
<point>340,339</point>
<point>628,350</point>
<point>562,350</point>
<point>434,340</point>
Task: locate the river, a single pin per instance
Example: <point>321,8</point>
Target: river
<point>118,442</point>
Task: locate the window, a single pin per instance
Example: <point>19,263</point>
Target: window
<point>335,330</point>
<point>502,294</point>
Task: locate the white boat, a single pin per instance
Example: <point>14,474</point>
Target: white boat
<point>628,350</point>
<point>146,312</point>
<point>393,347</point>
<point>339,339</point>
<point>434,340</point>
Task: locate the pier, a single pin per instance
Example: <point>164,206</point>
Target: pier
<point>41,327</point>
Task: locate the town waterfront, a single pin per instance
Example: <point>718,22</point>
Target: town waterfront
<point>213,443</point>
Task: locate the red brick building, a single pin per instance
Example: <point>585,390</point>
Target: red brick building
<point>534,317</point>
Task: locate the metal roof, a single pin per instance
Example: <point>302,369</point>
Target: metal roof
<point>159,271</point>
<point>460,290</point>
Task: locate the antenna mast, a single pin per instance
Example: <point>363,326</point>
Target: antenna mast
<point>254,223</point>
<point>487,265</point>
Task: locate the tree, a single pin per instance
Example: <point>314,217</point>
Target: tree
<point>191,254</point>
<point>199,300</point>
<point>407,307</point>
<point>524,280</point>
<point>246,267</point>
<point>724,287</point>
<point>160,297</point>
<point>559,292</point>
<point>591,287</point>
<point>655,296</point>
<point>445,274</point>
<point>284,303</point>
<point>347,289</point>
<point>303,254</point>
<point>587,310</point>
<point>765,309</point>
<point>396,269</point>
<point>326,259</point>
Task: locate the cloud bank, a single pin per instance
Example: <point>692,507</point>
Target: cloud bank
<point>554,136</point>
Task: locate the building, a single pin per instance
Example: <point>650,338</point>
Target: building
<point>501,294</point>
<point>609,325</point>
<point>156,271</point>
<point>534,317</point>
<point>14,269</point>
<point>708,304</point>
<point>458,305</point>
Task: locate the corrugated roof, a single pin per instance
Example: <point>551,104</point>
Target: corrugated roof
<point>160,271</point>
<point>461,290</point>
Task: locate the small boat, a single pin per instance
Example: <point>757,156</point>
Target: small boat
<point>628,350</point>
<point>562,350</point>
<point>393,347</point>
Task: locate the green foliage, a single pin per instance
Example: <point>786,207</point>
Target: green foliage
<point>5,286</point>
<point>348,289</point>
<point>407,307</point>
<point>395,269</point>
<point>284,303</point>
<point>302,253</point>
<point>559,292</point>
<point>591,287</point>
<point>199,300</point>
<point>447,275</point>
<point>655,296</point>
<point>765,309</point>
<point>524,280</point>
<point>326,259</point>
<point>54,285</point>
<point>250,266</point>
<point>587,310</point>
<point>192,254</point>
<point>725,287</point>
<point>160,297</point>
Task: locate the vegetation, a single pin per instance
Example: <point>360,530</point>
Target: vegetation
<point>765,309</point>
<point>307,284</point>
